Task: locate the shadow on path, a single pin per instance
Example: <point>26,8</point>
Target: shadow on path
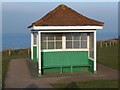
<point>32,86</point>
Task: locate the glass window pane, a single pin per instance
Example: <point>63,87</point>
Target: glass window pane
<point>76,44</point>
<point>35,41</point>
<point>92,54</point>
<point>44,37</point>
<point>68,44</point>
<point>91,45</point>
<point>58,36</point>
<point>50,37</point>
<point>35,35</point>
<point>83,36</point>
<point>34,38</point>
<point>76,36</point>
<point>69,37</point>
<point>58,45</point>
<point>44,45</point>
<point>83,44</point>
<point>50,45</point>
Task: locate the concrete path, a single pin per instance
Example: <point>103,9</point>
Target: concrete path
<point>18,76</point>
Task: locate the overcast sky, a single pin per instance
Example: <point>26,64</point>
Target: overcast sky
<point>18,15</point>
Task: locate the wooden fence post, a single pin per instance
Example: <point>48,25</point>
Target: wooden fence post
<point>101,44</point>
<point>110,43</point>
<point>28,51</point>
<point>9,52</point>
<point>106,44</point>
<point>113,43</point>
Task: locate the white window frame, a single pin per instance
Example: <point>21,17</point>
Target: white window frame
<point>64,43</point>
<point>34,39</point>
<point>54,41</point>
<point>64,40</point>
<point>92,58</point>
<point>80,47</point>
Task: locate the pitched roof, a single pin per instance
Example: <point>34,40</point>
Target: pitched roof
<point>65,16</point>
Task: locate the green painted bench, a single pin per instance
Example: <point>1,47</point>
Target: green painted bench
<point>61,67</point>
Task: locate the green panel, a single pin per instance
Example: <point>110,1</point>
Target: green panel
<point>65,69</point>
<point>91,69</point>
<point>64,58</point>
<point>80,68</point>
<point>52,70</point>
<point>34,53</point>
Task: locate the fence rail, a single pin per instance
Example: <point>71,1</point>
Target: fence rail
<point>100,44</point>
<point>107,43</point>
<point>17,51</point>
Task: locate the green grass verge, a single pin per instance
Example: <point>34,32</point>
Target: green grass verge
<point>108,56</point>
<point>88,84</point>
<point>6,59</point>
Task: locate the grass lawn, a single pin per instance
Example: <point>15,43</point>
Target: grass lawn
<point>108,56</point>
<point>6,59</point>
<point>88,84</point>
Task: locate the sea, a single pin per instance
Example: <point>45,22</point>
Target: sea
<point>21,41</point>
<point>16,41</point>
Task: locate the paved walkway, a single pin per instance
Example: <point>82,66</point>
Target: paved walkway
<point>18,76</point>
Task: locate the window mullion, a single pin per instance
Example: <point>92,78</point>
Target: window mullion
<point>87,41</point>
<point>54,42</point>
<point>46,42</point>
<point>72,41</point>
<point>80,41</point>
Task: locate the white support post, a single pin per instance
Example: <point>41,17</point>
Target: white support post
<point>95,51</point>
<point>88,45</point>
<point>37,46</point>
<point>64,42</point>
<point>39,53</point>
<point>31,45</point>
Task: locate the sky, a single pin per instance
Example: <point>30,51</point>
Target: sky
<point>59,0</point>
<point>16,16</point>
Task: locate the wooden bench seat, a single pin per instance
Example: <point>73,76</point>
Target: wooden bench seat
<point>61,67</point>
